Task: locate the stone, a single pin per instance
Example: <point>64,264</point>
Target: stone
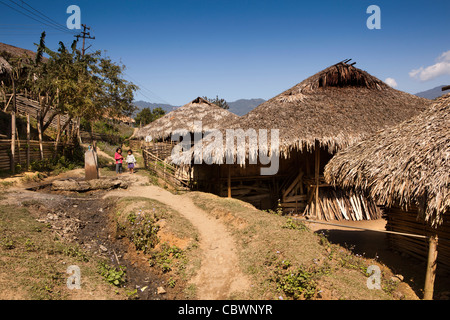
<point>161,290</point>
<point>103,248</point>
<point>91,165</point>
<point>397,278</point>
<point>83,186</point>
<point>70,185</point>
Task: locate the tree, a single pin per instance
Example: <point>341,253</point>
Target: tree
<point>218,102</point>
<point>82,86</point>
<point>146,116</point>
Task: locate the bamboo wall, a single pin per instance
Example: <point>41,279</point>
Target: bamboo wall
<point>136,144</point>
<point>292,188</point>
<point>31,107</point>
<point>21,152</point>
<point>406,221</point>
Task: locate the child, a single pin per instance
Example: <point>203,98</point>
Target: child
<point>119,158</point>
<point>131,160</point>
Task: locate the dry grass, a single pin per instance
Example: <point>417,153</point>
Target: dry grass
<point>172,232</point>
<point>184,118</point>
<point>33,262</point>
<point>270,247</point>
<point>337,107</point>
<point>405,165</point>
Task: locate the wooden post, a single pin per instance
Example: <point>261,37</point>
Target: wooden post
<point>28,141</point>
<point>13,129</point>
<point>316,173</point>
<point>431,268</point>
<point>41,148</point>
<point>18,146</point>
<point>229,181</point>
<point>58,133</point>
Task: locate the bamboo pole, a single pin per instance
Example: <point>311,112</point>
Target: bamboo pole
<point>229,181</point>
<point>41,148</point>
<point>431,268</point>
<point>316,173</point>
<point>18,146</point>
<point>28,141</point>
<point>13,129</point>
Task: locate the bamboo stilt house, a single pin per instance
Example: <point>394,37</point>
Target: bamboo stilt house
<point>327,112</point>
<point>406,168</point>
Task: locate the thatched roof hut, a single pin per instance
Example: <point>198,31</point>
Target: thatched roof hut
<point>329,111</point>
<point>185,117</point>
<point>407,165</point>
<point>5,67</point>
<point>336,107</point>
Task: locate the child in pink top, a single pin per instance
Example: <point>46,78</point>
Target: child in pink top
<point>119,159</point>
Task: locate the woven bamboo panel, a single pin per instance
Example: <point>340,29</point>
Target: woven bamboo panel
<point>21,152</point>
<point>407,221</point>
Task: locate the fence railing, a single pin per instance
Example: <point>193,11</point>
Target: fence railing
<point>175,176</point>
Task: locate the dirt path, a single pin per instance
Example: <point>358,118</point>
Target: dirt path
<point>219,274</point>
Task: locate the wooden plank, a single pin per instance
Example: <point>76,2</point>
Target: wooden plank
<point>300,197</point>
<point>293,184</point>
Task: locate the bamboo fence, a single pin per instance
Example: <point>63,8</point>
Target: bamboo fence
<point>21,152</point>
<point>173,175</point>
<point>407,221</point>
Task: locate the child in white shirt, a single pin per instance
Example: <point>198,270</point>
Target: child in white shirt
<point>131,161</point>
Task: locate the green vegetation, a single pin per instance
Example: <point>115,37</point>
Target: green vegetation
<point>221,103</point>
<point>113,275</point>
<point>167,239</point>
<point>144,231</point>
<point>146,116</point>
<point>84,88</point>
<point>34,261</point>
<point>286,260</point>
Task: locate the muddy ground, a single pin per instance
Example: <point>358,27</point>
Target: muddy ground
<point>86,219</point>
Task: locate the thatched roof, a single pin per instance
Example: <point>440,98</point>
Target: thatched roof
<point>337,106</point>
<point>16,51</point>
<point>5,67</point>
<point>404,165</point>
<point>184,118</point>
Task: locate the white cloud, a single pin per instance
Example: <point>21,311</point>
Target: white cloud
<point>391,82</point>
<point>441,67</point>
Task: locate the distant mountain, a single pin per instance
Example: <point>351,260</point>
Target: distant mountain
<point>244,106</point>
<point>432,93</point>
<point>239,107</point>
<point>144,104</point>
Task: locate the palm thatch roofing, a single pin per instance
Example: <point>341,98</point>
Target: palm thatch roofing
<point>5,67</point>
<point>185,118</point>
<point>408,164</point>
<point>17,52</point>
<point>337,107</point>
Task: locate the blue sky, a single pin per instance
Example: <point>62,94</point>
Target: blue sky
<point>178,50</point>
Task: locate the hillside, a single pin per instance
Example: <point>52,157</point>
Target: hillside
<point>144,104</point>
<point>239,107</point>
<point>432,93</point>
<point>243,106</point>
